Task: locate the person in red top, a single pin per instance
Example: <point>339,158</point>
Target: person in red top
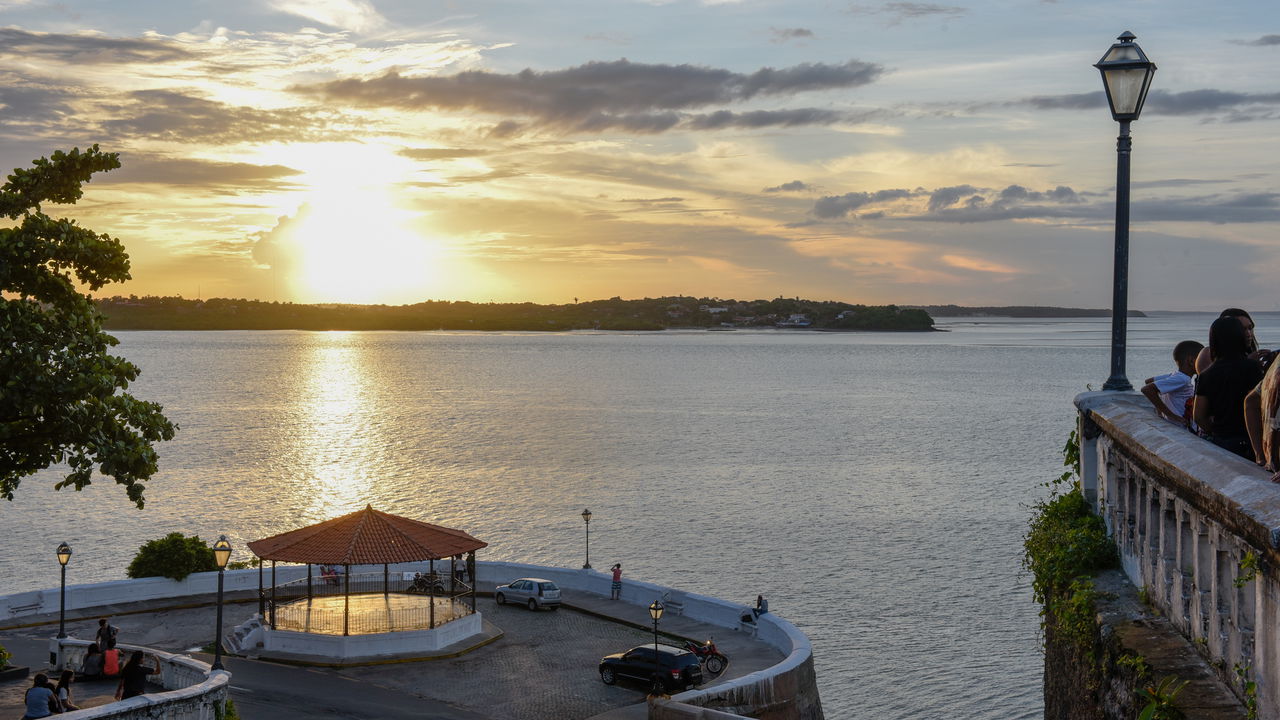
<point>615,590</point>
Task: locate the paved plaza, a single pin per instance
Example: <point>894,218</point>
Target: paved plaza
<point>543,665</point>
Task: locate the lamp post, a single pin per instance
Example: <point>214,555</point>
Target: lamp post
<point>64,556</point>
<point>655,612</point>
<point>1126,75</point>
<point>586,518</point>
<point>221,554</point>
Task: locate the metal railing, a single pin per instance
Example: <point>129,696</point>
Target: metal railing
<point>363,620</point>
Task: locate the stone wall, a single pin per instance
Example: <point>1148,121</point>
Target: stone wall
<point>1198,530</point>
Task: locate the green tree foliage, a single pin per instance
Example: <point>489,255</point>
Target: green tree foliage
<point>173,556</point>
<point>59,387</point>
<point>4,657</point>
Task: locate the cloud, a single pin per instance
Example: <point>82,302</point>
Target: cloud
<point>1175,182</point>
<point>32,103</point>
<point>766,118</point>
<point>439,153</point>
<point>617,95</point>
<point>900,11</point>
<point>276,248</point>
<point>959,203</point>
<point>793,186</point>
<point>948,196</point>
<point>160,169</point>
<point>89,49</point>
<point>1190,102</point>
<point>357,15</point>
<point>171,115</point>
<point>1264,41</point>
<point>838,206</point>
<point>782,35</point>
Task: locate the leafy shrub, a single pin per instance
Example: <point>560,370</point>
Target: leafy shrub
<point>173,556</point>
<point>4,657</point>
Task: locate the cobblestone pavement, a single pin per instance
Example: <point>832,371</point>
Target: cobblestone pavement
<point>545,666</point>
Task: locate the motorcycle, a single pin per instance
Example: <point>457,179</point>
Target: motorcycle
<point>708,655</point>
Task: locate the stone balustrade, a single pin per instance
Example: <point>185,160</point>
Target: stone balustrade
<point>193,691</point>
<point>1197,527</point>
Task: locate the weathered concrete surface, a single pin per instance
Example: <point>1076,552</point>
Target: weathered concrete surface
<point>1100,682</point>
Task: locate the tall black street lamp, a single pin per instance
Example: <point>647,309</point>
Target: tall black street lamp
<point>221,554</point>
<point>586,518</point>
<point>655,612</point>
<point>64,556</point>
<point>1126,75</point>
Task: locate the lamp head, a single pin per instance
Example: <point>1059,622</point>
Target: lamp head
<point>221,552</point>
<point>586,516</point>
<point>1126,75</point>
<point>64,554</point>
<point>655,610</point>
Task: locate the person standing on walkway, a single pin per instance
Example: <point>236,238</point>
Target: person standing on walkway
<point>615,590</point>
<point>106,636</point>
<point>133,678</point>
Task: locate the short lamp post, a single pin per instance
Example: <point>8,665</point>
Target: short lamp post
<point>221,554</point>
<point>655,612</point>
<point>586,518</point>
<point>1126,75</point>
<point>64,557</point>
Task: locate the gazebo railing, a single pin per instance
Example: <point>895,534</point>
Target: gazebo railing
<point>283,608</point>
<point>364,620</point>
<point>369,582</point>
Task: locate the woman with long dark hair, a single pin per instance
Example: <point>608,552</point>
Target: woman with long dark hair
<point>1221,389</point>
<point>133,678</point>
<point>63,690</point>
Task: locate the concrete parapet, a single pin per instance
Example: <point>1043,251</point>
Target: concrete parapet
<point>1198,528</point>
<point>192,689</point>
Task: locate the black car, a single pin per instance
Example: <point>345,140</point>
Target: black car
<point>673,670</point>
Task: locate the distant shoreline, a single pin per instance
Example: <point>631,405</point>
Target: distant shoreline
<point>1018,311</point>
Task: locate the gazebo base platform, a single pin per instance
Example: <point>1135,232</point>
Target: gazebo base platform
<point>306,654</point>
<point>393,628</point>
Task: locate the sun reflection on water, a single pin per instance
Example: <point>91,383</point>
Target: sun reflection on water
<point>335,404</point>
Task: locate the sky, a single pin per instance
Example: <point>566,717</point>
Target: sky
<point>395,151</point>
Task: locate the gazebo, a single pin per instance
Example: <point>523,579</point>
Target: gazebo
<point>368,537</point>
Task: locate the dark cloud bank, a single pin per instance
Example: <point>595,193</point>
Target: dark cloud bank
<point>617,95</point>
<point>89,49</point>
<point>969,204</point>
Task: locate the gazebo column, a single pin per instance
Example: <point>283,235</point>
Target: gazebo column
<point>309,592</point>
<point>346,600</point>
<point>262,594</point>
<point>273,594</point>
<point>386,581</point>
<point>471,574</point>
<point>431,590</point>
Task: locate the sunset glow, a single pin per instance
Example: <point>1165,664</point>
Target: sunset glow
<point>388,151</point>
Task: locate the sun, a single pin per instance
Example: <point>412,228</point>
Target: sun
<point>349,240</point>
<point>356,246</point>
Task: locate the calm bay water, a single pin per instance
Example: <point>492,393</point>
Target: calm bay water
<point>874,486</point>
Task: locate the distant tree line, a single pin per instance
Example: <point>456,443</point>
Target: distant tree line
<point>175,313</point>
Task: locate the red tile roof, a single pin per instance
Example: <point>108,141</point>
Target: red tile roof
<point>366,536</point>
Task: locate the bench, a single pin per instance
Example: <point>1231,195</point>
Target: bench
<point>673,601</point>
